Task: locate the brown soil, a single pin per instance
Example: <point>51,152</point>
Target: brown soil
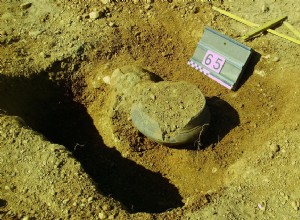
<point>163,110</point>
<point>64,156</point>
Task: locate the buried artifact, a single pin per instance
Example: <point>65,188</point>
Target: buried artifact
<point>170,113</point>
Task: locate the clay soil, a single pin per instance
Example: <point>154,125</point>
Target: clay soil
<point>62,154</point>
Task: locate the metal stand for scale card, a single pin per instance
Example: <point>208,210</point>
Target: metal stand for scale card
<point>221,58</point>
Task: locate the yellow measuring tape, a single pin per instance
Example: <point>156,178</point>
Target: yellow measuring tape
<point>251,24</point>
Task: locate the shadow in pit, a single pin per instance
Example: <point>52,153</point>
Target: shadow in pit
<point>255,58</point>
<point>223,119</point>
<point>50,110</point>
<point>3,203</point>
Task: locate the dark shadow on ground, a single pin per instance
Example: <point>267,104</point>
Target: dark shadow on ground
<point>223,119</point>
<point>255,58</point>
<point>3,203</point>
<point>50,110</point>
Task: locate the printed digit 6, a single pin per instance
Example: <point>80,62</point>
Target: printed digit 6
<point>208,59</point>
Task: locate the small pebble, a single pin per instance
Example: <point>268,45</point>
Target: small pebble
<point>106,79</point>
<point>296,205</point>
<point>260,73</point>
<point>44,55</point>
<point>3,33</point>
<point>153,97</point>
<point>264,8</point>
<point>275,59</point>
<point>111,216</point>
<point>65,201</point>
<point>275,148</point>
<point>105,1</point>
<point>112,24</point>
<point>25,5</point>
<point>102,215</point>
<point>148,7</point>
<point>214,170</point>
<point>90,199</point>
<point>106,207</point>
<point>196,10</point>
<point>261,207</point>
<point>94,15</point>
<point>35,33</point>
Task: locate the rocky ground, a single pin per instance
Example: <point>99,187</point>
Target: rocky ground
<point>66,154</point>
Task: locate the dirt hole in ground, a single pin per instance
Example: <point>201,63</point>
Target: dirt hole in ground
<point>49,109</point>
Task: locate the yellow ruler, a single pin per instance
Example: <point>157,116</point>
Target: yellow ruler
<point>251,24</point>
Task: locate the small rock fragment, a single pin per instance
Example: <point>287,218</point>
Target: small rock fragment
<point>262,206</point>
<point>65,201</point>
<point>43,55</point>
<point>90,199</point>
<point>264,8</point>
<point>111,216</point>
<point>112,24</point>
<point>106,207</point>
<point>3,33</point>
<point>35,33</point>
<point>25,5</point>
<point>94,15</point>
<point>105,1</point>
<point>261,73</point>
<point>275,59</point>
<point>196,10</point>
<point>274,148</point>
<point>106,79</point>
<point>153,97</point>
<point>296,204</point>
<point>214,170</point>
<point>102,215</point>
<point>148,7</point>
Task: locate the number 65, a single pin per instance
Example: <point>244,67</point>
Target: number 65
<point>213,61</point>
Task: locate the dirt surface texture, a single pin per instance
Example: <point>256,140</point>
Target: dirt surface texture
<point>165,111</point>
<point>68,145</point>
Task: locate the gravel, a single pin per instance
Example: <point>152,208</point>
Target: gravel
<point>94,15</point>
<point>25,5</point>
